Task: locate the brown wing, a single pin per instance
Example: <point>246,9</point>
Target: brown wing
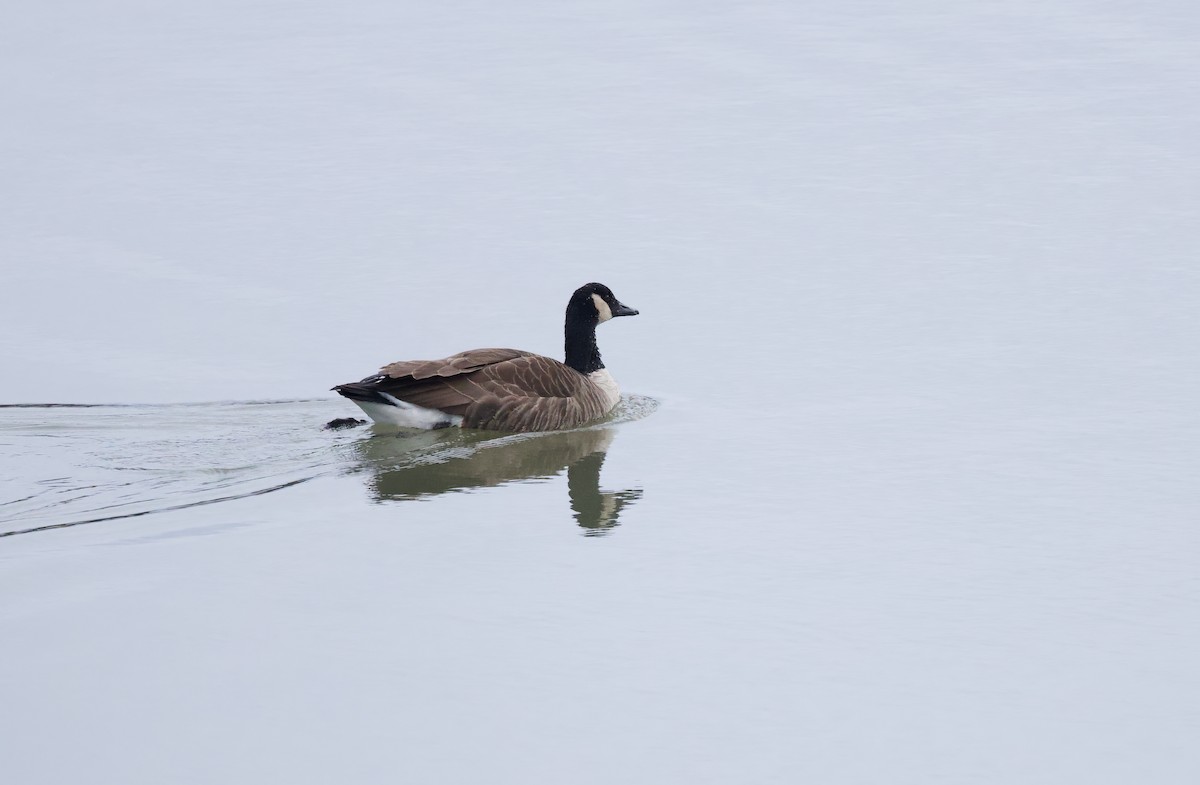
<point>497,389</point>
<point>463,362</point>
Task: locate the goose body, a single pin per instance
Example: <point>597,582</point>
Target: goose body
<point>502,389</point>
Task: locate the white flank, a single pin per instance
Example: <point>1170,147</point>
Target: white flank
<point>612,393</point>
<point>407,415</point>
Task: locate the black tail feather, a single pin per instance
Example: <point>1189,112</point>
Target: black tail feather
<point>361,391</point>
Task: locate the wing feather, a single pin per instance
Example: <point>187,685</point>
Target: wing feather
<point>497,389</point>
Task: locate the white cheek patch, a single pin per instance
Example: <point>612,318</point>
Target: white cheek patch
<point>602,308</point>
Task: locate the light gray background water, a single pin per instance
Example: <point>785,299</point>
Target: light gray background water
<point>918,292</point>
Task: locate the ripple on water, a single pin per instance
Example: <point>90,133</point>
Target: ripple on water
<point>103,463</point>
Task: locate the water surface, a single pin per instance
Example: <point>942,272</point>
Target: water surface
<point>903,489</point>
<point>77,465</point>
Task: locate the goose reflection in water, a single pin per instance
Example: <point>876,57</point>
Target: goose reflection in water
<point>427,464</point>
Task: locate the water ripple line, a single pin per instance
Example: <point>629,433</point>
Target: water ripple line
<point>173,508</point>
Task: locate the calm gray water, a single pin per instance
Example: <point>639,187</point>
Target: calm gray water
<point>902,488</point>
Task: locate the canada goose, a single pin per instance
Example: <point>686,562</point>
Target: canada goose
<point>502,389</point>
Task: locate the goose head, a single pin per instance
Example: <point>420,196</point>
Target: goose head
<point>595,303</point>
<point>590,305</point>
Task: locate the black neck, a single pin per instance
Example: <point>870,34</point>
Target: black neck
<point>582,353</point>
